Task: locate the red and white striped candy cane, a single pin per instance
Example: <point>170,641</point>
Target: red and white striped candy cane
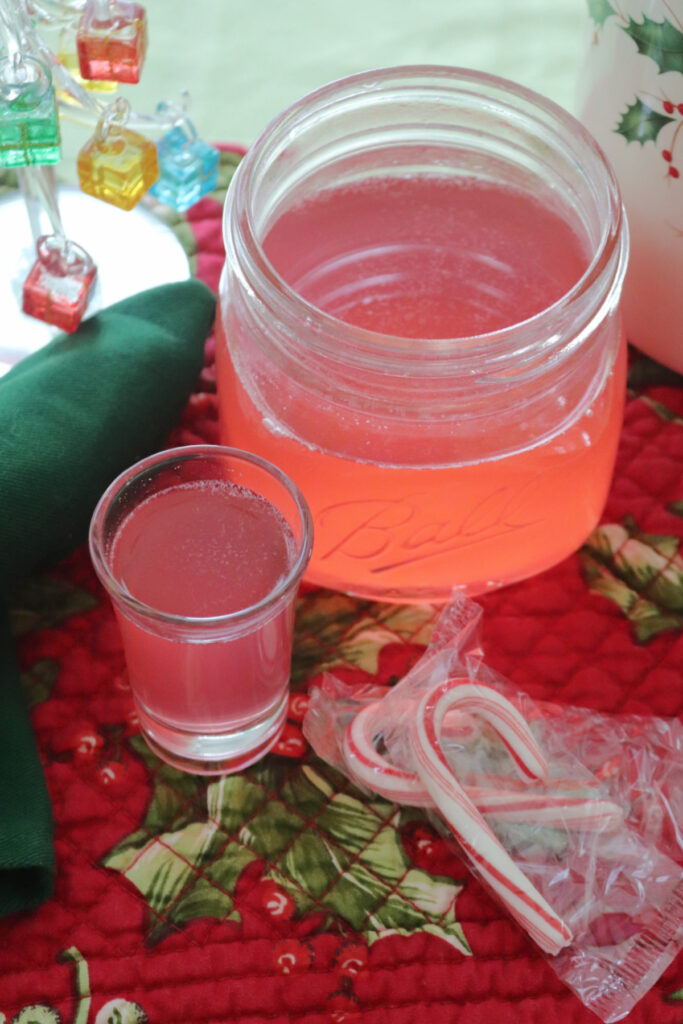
<point>582,813</point>
<point>365,765</point>
<point>491,860</point>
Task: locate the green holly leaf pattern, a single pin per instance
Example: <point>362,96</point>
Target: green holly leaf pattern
<point>322,619</point>
<point>660,40</point>
<point>46,602</point>
<point>350,861</point>
<point>676,997</point>
<point>661,410</point>
<point>39,1013</point>
<point>38,681</point>
<point>645,373</point>
<point>641,123</point>
<point>166,870</point>
<point>314,842</point>
<point>335,629</point>
<point>641,573</point>
<point>361,643</point>
<point>324,846</point>
<point>600,11</point>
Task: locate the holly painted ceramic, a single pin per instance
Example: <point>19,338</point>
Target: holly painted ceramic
<point>631,99</point>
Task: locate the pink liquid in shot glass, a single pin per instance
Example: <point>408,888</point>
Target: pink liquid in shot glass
<point>198,550</point>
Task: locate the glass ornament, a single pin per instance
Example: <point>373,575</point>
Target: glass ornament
<point>117,165</point>
<point>29,126</point>
<point>58,285</point>
<point>188,166</point>
<point>111,41</point>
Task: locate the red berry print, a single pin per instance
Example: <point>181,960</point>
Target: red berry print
<point>420,842</point>
<point>429,851</point>
<point>352,960</point>
<point>291,742</point>
<point>81,740</point>
<point>131,725</point>
<point>291,957</point>
<point>343,1008</point>
<point>668,106</point>
<point>674,172</point>
<point>111,774</point>
<point>679,108</point>
<point>298,706</point>
<point>668,155</point>
<point>275,901</point>
<point>121,683</point>
<point>87,746</point>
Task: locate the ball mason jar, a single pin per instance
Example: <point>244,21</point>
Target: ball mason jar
<point>430,464</point>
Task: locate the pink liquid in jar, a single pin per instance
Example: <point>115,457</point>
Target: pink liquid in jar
<point>410,514</point>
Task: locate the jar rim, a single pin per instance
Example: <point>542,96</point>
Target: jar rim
<point>502,346</point>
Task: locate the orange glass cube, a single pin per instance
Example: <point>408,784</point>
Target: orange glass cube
<point>118,168</point>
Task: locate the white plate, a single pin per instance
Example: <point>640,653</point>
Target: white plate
<point>132,250</point>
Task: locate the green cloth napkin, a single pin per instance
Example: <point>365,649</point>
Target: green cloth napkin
<point>72,417</point>
<point>82,409</point>
<point>27,862</point>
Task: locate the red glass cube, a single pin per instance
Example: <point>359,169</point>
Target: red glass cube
<point>111,41</point>
<point>59,282</point>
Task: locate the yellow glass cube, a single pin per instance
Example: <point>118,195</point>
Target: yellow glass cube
<point>118,168</point>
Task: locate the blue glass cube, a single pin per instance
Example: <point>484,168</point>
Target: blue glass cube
<point>188,169</point>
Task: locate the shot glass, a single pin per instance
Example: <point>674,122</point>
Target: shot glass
<point>201,550</point>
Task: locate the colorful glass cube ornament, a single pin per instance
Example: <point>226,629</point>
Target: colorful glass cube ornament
<point>111,41</point>
<point>117,165</point>
<point>29,126</point>
<point>68,58</point>
<point>188,167</point>
<point>59,283</point>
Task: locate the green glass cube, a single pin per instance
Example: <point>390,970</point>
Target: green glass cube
<point>29,125</point>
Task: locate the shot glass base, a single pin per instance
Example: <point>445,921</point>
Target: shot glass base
<point>211,753</point>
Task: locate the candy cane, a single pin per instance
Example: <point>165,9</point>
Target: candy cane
<point>492,861</point>
<point>555,810</point>
<point>365,765</point>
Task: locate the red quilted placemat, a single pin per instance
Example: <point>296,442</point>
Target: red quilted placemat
<point>283,894</point>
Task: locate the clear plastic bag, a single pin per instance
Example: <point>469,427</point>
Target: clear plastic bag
<point>571,818</point>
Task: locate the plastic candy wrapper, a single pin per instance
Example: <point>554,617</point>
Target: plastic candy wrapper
<point>569,817</point>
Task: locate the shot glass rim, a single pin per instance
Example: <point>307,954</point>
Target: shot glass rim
<point>120,594</point>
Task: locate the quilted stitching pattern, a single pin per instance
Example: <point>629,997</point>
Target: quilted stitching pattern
<point>245,936</point>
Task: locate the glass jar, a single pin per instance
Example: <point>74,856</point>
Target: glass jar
<point>430,464</point>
